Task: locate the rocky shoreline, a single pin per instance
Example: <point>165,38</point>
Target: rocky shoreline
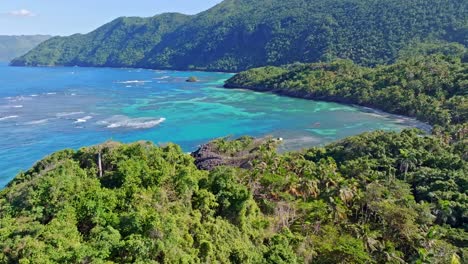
<point>209,156</point>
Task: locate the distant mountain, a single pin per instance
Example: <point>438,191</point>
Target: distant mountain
<point>14,46</point>
<point>240,34</point>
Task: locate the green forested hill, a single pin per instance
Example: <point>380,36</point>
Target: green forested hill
<point>122,42</point>
<point>241,34</point>
<point>375,198</point>
<point>15,46</point>
<point>432,88</point>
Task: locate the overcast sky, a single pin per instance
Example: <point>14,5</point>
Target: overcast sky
<point>66,17</point>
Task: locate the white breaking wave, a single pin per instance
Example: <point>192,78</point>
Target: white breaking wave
<point>83,119</point>
<point>8,117</point>
<point>120,121</point>
<point>134,81</point>
<point>19,98</point>
<point>65,114</point>
<point>11,106</point>
<point>51,93</point>
<point>162,78</point>
<point>37,122</point>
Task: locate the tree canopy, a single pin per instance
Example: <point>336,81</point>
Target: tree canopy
<point>240,34</point>
<point>380,197</point>
<point>374,198</point>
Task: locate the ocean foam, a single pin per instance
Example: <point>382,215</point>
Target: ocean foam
<point>65,114</point>
<point>37,122</point>
<point>19,98</point>
<point>162,78</point>
<point>120,121</point>
<point>83,119</point>
<point>8,117</point>
<point>134,81</point>
<point>11,106</point>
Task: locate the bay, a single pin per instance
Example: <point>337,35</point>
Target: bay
<point>43,110</point>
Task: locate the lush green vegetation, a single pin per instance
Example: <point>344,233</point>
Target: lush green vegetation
<point>375,198</point>
<point>241,34</point>
<point>246,144</point>
<point>122,42</point>
<point>432,88</point>
<point>15,46</point>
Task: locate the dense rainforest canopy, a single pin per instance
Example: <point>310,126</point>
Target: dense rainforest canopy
<point>240,34</point>
<point>374,198</point>
<point>15,46</point>
<point>380,197</point>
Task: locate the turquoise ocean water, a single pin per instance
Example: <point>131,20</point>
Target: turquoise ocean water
<point>43,110</point>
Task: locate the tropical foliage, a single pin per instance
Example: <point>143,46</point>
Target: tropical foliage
<point>240,34</point>
<point>380,197</point>
<point>375,198</point>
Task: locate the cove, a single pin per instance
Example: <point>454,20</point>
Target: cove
<point>43,110</point>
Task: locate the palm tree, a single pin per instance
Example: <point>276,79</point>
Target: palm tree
<point>407,161</point>
<point>346,195</point>
<point>309,188</point>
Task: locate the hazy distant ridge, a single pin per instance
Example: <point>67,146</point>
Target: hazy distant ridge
<point>15,46</point>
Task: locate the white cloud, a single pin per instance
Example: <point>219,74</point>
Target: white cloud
<point>21,13</point>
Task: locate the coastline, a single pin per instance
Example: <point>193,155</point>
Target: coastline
<point>11,64</point>
<point>425,126</point>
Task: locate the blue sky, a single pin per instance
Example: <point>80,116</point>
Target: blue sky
<point>66,17</point>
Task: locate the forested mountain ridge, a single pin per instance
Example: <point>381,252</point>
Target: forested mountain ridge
<point>15,46</point>
<point>240,34</point>
<point>122,40</point>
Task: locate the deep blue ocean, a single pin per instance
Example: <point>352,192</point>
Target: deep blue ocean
<point>43,110</point>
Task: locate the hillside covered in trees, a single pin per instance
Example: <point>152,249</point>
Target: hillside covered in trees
<point>15,46</point>
<point>380,197</point>
<point>431,86</point>
<point>374,198</point>
<point>240,34</point>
